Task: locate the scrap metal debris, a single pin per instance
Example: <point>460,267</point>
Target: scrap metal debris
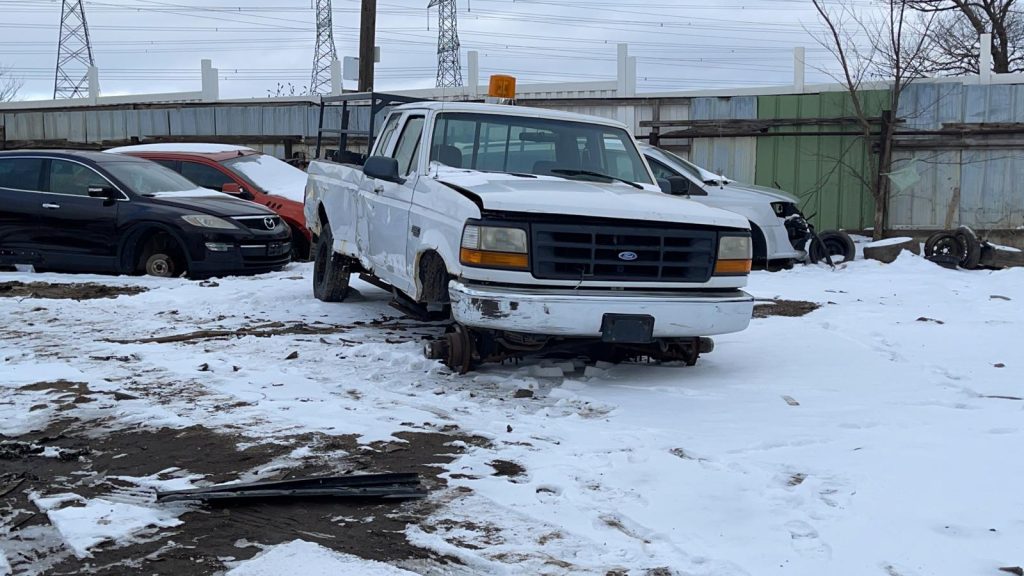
<point>383,486</point>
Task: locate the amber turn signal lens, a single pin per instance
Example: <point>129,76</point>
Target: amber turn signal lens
<point>485,259</point>
<point>732,267</point>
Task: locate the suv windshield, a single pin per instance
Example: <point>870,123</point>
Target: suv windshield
<point>541,146</point>
<point>685,164</point>
<point>145,178</point>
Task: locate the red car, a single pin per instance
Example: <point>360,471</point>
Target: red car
<point>241,172</point>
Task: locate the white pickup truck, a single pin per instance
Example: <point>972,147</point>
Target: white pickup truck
<point>534,230</point>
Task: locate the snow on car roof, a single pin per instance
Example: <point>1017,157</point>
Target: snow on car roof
<point>196,147</point>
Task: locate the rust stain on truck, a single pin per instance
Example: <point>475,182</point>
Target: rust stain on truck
<point>491,309</point>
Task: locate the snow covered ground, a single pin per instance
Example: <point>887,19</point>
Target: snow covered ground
<point>880,434</point>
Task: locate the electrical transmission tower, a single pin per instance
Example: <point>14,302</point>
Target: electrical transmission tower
<point>449,70</point>
<point>74,53</point>
<point>325,52</point>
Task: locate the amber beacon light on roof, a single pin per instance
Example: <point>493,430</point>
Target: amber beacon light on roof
<point>502,88</point>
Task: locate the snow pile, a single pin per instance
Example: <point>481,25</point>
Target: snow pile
<point>309,559</point>
<point>272,175</point>
<point>99,520</point>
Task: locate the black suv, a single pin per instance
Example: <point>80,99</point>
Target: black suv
<point>111,213</point>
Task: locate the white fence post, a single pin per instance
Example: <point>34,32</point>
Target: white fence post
<point>474,74</point>
<point>94,83</point>
<point>985,60</point>
<point>337,86</point>
<point>211,88</point>
<point>799,68</point>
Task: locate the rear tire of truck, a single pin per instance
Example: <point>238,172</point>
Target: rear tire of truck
<point>331,272</point>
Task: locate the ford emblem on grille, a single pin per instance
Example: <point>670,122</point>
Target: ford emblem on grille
<point>269,223</point>
<point>628,256</point>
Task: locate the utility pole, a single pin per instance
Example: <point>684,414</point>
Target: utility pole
<point>325,53</point>
<point>74,53</point>
<point>367,40</point>
<point>449,68</point>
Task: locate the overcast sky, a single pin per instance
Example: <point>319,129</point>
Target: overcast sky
<point>156,45</point>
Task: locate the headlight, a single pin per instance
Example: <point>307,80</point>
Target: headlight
<point>784,209</point>
<point>734,256</point>
<point>207,221</point>
<point>494,247</point>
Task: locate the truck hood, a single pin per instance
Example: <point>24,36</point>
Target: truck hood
<point>551,195</point>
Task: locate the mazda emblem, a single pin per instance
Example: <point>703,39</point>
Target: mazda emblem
<point>270,224</point>
<point>628,256</point>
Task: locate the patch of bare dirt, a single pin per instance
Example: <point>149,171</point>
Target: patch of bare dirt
<point>507,468</point>
<point>77,291</point>
<point>787,308</point>
<point>209,534</point>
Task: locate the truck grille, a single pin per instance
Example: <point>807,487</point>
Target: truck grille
<point>622,252</point>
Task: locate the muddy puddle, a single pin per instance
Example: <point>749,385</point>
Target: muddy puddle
<point>80,291</point>
<point>786,308</point>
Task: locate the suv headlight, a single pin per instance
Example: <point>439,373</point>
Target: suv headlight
<point>734,256</point>
<point>784,209</point>
<point>494,247</point>
<point>207,221</point>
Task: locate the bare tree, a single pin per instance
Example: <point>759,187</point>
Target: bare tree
<point>9,85</point>
<point>958,25</point>
<point>887,46</point>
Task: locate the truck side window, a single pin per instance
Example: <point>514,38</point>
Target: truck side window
<point>387,133</point>
<point>408,144</point>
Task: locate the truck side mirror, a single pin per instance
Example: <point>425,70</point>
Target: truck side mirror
<point>382,168</point>
<point>680,186</point>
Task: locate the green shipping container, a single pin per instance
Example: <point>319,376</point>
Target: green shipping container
<point>828,173</point>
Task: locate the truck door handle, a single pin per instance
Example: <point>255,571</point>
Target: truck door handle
<point>378,188</point>
<point>50,206</point>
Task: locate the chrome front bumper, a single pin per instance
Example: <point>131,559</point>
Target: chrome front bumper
<point>580,313</point>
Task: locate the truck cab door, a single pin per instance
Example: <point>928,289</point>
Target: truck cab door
<point>388,205</point>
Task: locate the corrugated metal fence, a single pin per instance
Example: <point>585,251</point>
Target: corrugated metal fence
<point>943,180</point>
<point>118,124</point>
<point>828,173</point>
<point>976,181</point>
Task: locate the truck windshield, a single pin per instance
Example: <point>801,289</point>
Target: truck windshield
<point>541,146</point>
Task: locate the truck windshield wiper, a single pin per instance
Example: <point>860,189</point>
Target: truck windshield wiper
<point>573,172</point>
<point>519,174</point>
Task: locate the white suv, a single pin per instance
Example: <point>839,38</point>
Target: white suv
<point>778,229</point>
